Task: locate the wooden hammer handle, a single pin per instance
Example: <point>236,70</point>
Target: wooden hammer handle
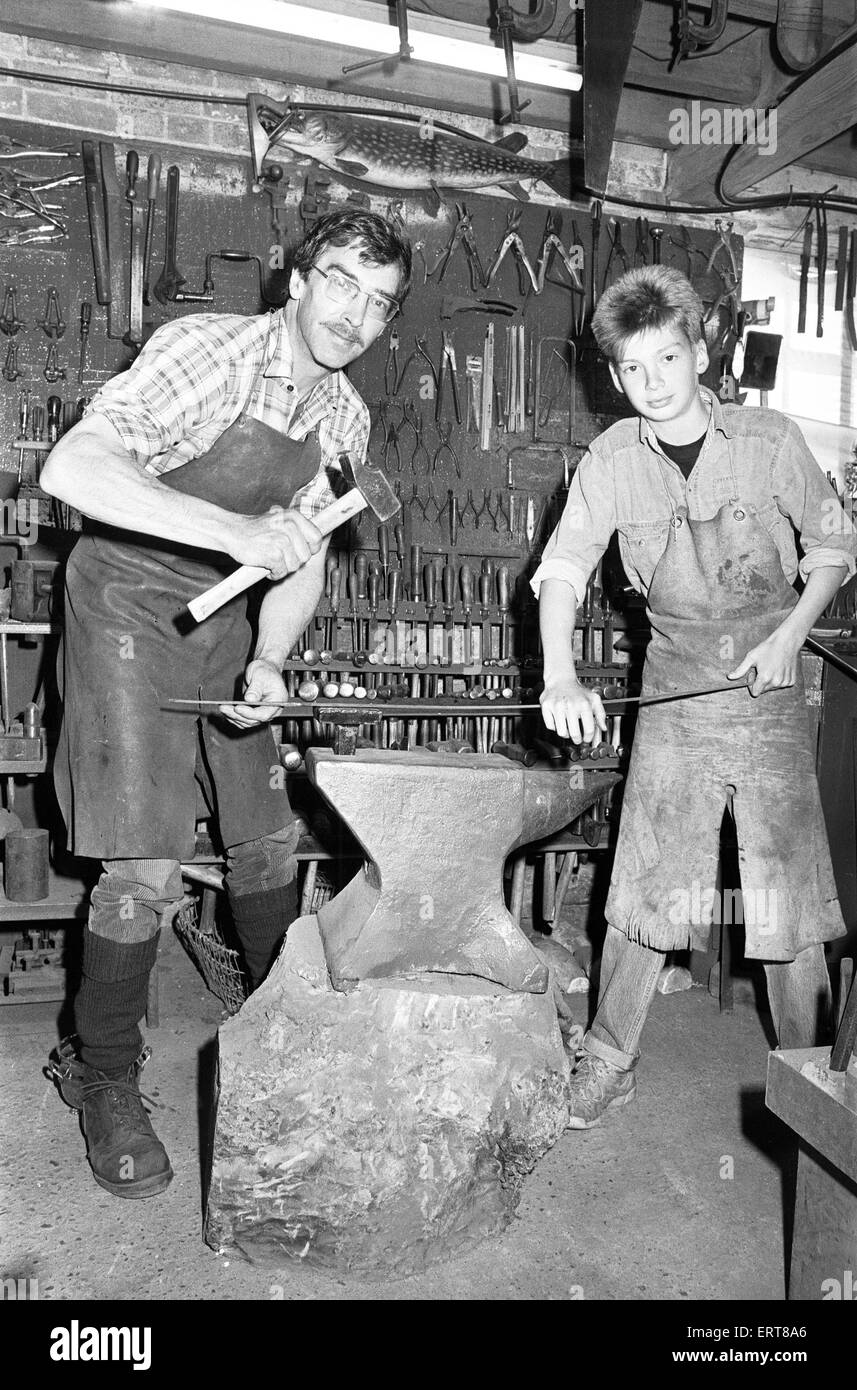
<point>246,575</point>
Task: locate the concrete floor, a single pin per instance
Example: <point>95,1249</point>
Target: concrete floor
<point>637,1209</point>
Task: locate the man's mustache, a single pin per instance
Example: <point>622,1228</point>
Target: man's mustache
<point>345,331</point>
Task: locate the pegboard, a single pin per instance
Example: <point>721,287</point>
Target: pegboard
<point>221,208</point>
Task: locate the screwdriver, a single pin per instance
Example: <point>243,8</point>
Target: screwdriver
<point>85,320</point>
<point>372,594</point>
<point>23,424</point>
<point>54,412</point>
<point>429,576</point>
<point>503,595</point>
<point>394,594</point>
<point>416,590</point>
<point>486,579</point>
<point>384,550</point>
<point>465,579</point>
<point>449,613</point>
<point>335,589</point>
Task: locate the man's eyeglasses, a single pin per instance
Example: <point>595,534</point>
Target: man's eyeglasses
<point>343,290</point>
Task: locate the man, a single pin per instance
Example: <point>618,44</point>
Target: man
<point>704,498</point>
<point>190,461</point>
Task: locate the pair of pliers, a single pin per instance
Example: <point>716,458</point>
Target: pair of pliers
<point>444,430</point>
<point>723,227</point>
<point>552,245</point>
<point>512,241</point>
<point>616,249</point>
<point>391,364</point>
<point>463,235</point>
<point>418,350</point>
<point>448,368</point>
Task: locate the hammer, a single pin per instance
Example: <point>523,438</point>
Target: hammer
<point>370,488</point>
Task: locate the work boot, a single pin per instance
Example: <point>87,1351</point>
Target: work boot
<point>126,1156</point>
<point>596,1088</point>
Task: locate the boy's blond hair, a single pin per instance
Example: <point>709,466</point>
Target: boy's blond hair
<point>653,297</point>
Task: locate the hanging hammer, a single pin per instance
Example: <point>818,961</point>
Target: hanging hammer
<point>370,488</point>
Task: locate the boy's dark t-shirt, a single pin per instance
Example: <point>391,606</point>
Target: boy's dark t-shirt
<point>685,455</point>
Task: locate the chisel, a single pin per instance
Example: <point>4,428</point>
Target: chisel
<point>97,229</point>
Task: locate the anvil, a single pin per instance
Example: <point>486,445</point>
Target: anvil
<point>437,829</point>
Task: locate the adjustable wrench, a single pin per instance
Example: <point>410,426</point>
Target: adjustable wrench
<point>171,279</point>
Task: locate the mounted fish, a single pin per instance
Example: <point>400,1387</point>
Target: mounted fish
<point>406,153</point>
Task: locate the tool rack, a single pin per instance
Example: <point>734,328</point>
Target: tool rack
<point>476,493</point>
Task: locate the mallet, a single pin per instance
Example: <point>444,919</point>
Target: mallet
<point>370,488</point>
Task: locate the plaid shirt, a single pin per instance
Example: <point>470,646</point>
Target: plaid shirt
<point>196,375</point>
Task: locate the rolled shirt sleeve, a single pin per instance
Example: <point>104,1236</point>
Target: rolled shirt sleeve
<point>803,494</point>
<point>178,380</point>
<point>585,527</point>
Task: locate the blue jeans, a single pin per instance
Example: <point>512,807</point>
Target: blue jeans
<point>798,995</point>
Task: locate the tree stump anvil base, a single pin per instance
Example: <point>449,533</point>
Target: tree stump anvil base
<point>380,1130</point>
<point>386,1090</point>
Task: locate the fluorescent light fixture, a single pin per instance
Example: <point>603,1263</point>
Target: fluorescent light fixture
<point>299,21</point>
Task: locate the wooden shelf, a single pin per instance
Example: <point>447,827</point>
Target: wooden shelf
<point>67,898</point>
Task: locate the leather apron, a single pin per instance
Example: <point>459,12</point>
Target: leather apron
<point>718,590</point>
<point>127,771</point>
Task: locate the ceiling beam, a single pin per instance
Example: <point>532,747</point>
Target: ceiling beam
<point>820,107</point>
<point>608,30</point>
<point>282,59</point>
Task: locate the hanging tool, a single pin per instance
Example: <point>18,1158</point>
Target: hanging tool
<point>841,269</point>
<point>458,304</point>
<point>97,227</point>
<point>553,381</point>
<point>462,235</point>
<point>10,323</point>
<point>85,321</point>
<point>153,183</point>
<point>572,258</point>
<point>115,241</point>
<point>23,426</point>
<point>134,335</point>
<point>616,249</point>
<point>512,242</point>
<point>595,229</point>
<point>805,262</point>
<point>171,279</point>
<point>444,430</point>
<point>52,370</point>
<point>473,373</point>
<point>487,390</point>
<point>448,368</point>
<point>851,292</point>
<point>11,371</point>
<point>413,417</point>
<point>821,262</point>
<point>53,322</point>
<point>391,363</point>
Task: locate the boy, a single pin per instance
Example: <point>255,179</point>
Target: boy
<point>703,497</point>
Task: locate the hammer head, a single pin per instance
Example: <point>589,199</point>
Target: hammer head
<point>373,486</point>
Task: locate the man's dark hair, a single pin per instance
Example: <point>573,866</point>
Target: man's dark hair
<point>377,239</point>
